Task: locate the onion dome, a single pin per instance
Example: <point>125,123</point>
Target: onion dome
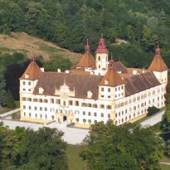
<point>87,60</point>
<point>111,78</point>
<point>32,72</point>
<point>158,63</point>
<point>101,46</point>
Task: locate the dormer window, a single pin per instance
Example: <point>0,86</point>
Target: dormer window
<point>41,90</point>
<point>26,76</point>
<point>89,94</point>
<point>106,82</point>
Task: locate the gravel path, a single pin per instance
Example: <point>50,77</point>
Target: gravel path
<point>153,120</point>
<point>71,135</point>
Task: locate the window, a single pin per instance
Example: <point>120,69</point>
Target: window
<point>95,105</point>
<point>89,113</point>
<point>109,116</point>
<point>89,104</point>
<point>108,89</point>
<point>29,107</point>
<point>35,100</point>
<point>35,108</point>
<point>58,101</point>
<point>98,58</point>
<point>101,106</point>
<point>102,115</point>
<point>52,117</point>
<point>23,82</point>
<point>89,121</point>
<point>41,108</point>
<point>40,115</point>
<point>45,116</point>
<point>29,114</point>
<point>77,120</point>
<point>24,106</point>
<point>84,120</point>
<point>84,113</point>
<point>95,114</point>
<point>52,100</point>
<point>29,83</point>
<point>77,103</point>
<point>23,98</point>
<point>45,101</point>
<point>102,89</point>
<point>70,102</point>
<point>45,108</point>
<point>109,107</point>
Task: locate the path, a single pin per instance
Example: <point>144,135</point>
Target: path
<point>71,135</point>
<point>3,115</point>
<point>153,120</point>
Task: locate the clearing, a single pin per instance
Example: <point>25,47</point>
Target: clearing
<point>33,46</point>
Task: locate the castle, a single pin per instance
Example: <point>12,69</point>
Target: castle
<point>96,90</point>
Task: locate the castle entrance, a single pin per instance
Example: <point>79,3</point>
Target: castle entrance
<point>64,118</point>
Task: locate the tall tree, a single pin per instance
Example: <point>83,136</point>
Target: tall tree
<point>125,147</point>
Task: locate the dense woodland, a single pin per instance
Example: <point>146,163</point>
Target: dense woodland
<point>141,23</point>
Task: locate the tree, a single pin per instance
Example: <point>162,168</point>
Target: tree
<point>121,148</point>
<point>167,148</point>
<point>24,149</point>
<point>56,63</point>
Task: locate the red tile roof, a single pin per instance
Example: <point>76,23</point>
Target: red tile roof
<point>32,72</point>
<point>158,63</point>
<point>111,78</point>
<point>87,60</point>
<point>81,84</point>
<point>101,46</point>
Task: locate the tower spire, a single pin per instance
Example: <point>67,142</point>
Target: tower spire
<point>87,46</point>
<point>158,50</point>
<point>101,46</point>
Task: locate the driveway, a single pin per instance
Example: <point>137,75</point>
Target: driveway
<point>71,135</point>
<point>153,120</point>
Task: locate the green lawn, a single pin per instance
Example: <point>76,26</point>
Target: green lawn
<point>165,167</point>
<point>74,160</point>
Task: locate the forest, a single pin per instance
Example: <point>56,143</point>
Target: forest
<point>138,24</point>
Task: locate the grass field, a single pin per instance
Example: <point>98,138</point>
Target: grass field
<point>74,160</point>
<point>33,46</point>
<point>165,167</point>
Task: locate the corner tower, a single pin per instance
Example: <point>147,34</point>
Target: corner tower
<point>101,58</point>
<point>159,68</point>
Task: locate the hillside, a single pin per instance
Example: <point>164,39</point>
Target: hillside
<point>32,46</point>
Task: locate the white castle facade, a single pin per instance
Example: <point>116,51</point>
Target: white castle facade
<point>96,90</point>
